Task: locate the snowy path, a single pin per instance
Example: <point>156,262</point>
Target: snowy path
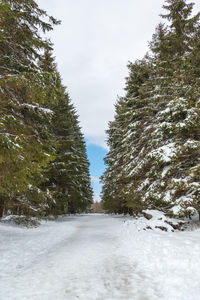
<point>96,257</point>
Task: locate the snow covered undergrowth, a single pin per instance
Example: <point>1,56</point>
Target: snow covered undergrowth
<point>157,220</point>
<point>169,261</point>
<point>98,257</point>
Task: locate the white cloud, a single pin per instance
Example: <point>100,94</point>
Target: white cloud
<point>92,47</point>
<point>95,179</point>
<point>96,197</point>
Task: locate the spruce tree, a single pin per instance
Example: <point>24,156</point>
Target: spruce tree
<point>125,141</point>
<point>22,152</point>
<point>20,42</point>
<point>175,141</point>
<point>42,152</point>
<point>161,151</point>
<point>67,177</point>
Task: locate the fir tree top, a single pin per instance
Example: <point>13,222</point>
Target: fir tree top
<point>20,41</point>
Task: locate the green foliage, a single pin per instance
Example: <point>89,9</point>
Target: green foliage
<point>20,42</point>
<point>43,162</point>
<point>154,139</point>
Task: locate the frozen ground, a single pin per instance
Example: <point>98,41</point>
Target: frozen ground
<point>98,257</point>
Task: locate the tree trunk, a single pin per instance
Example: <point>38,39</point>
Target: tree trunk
<point>1,206</point>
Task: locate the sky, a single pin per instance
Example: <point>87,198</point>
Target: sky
<point>96,155</point>
<point>92,46</point>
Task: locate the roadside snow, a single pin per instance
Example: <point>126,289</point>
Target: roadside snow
<point>157,222</point>
<point>98,257</point>
<point>169,262</point>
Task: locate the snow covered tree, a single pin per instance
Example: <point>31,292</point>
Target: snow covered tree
<point>24,117</point>
<point>175,140</point>
<point>38,125</point>
<point>67,177</point>
<point>125,141</point>
<point>159,156</point>
<point>24,146</point>
<point>20,42</point>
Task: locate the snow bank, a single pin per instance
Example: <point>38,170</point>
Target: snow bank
<point>22,221</point>
<point>168,262</point>
<point>155,220</point>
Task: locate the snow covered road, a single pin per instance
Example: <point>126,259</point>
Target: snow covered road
<point>97,257</point>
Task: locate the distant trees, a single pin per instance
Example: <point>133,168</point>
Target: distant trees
<point>43,163</point>
<point>97,208</point>
<point>154,140</point>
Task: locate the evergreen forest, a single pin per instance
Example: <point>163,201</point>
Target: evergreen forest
<point>140,239</point>
<point>44,168</point>
<point>154,140</point>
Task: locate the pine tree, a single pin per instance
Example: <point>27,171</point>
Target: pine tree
<point>67,177</point>
<point>125,140</point>
<point>175,142</point>
<point>20,42</point>
<point>44,168</point>
<point>159,142</point>
<point>21,149</point>
<point>23,144</point>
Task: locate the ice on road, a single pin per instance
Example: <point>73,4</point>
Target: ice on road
<point>97,257</point>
